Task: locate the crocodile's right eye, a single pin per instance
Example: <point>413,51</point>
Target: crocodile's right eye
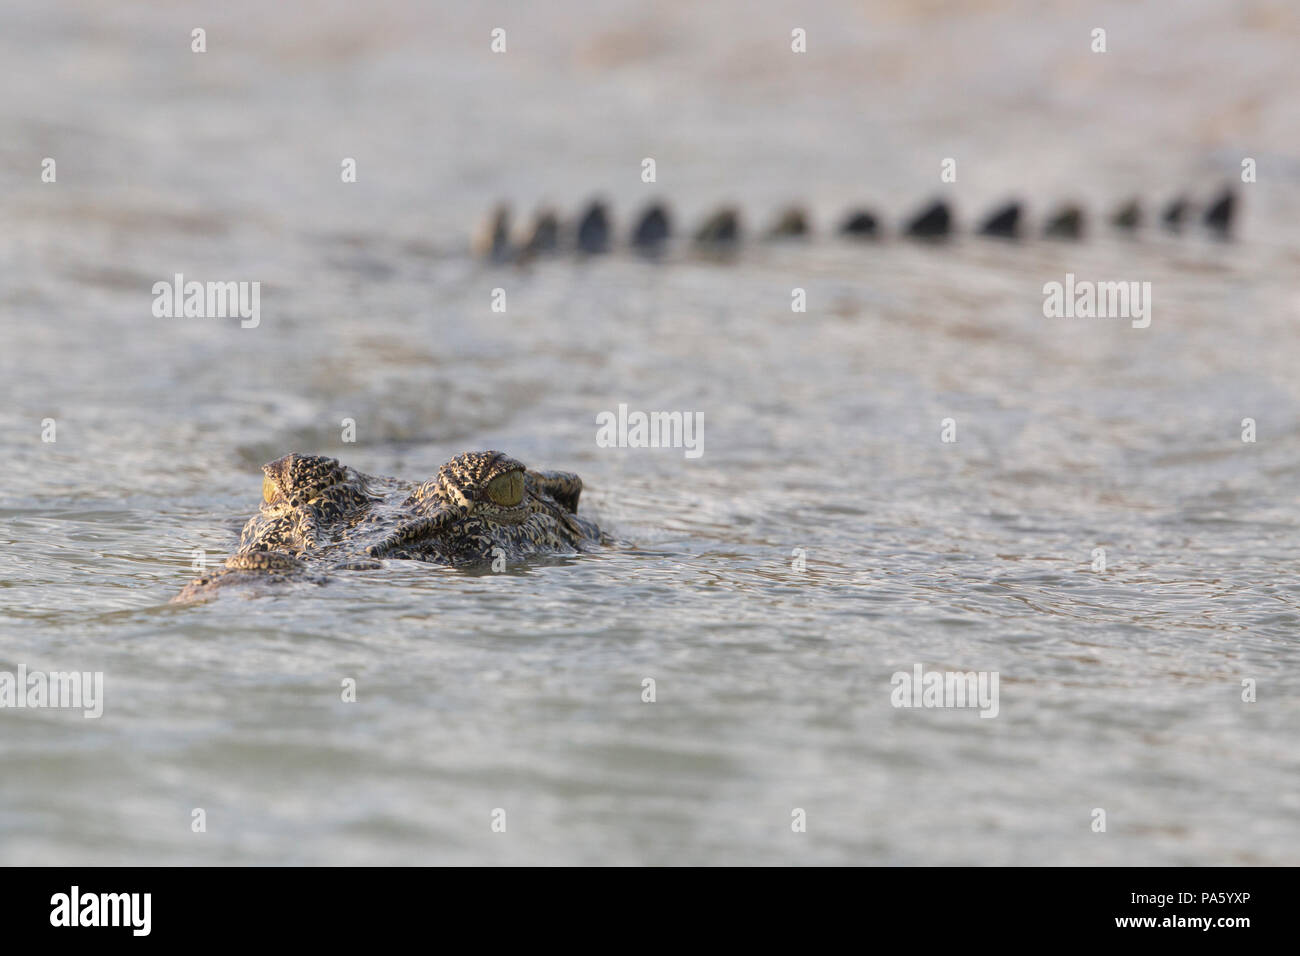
<point>507,490</point>
<point>269,491</point>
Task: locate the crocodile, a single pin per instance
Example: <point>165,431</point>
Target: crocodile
<point>592,232</point>
<point>318,515</point>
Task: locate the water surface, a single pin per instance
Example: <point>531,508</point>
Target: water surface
<point>523,690</point>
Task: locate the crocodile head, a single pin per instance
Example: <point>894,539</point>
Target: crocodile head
<point>318,515</point>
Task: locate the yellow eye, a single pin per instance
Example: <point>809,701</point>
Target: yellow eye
<point>507,490</point>
<point>269,490</point>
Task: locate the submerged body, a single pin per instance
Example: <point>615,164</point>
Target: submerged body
<point>319,515</point>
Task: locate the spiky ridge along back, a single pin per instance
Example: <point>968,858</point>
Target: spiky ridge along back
<point>592,231</point>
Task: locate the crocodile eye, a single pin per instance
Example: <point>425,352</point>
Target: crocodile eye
<point>269,491</point>
<point>507,490</point>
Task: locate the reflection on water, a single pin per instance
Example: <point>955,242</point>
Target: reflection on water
<point>1119,689</point>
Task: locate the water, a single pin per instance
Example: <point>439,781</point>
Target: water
<point>1119,690</point>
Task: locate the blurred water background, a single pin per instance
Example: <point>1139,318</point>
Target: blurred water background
<point>1119,690</point>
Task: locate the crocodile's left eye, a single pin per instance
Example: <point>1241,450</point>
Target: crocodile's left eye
<point>269,491</point>
<point>507,490</point>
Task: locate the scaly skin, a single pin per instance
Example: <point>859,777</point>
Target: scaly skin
<point>318,515</point>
